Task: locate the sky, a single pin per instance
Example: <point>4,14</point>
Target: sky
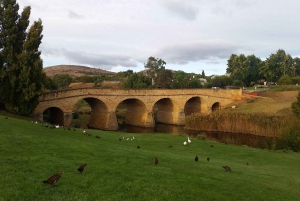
<point>189,35</point>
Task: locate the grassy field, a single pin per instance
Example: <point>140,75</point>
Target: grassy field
<point>117,170</point>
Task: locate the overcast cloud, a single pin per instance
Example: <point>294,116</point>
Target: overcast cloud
<point>190,35</point>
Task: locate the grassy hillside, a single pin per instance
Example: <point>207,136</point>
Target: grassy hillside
<point>74,71</point>
<point>117,170</point>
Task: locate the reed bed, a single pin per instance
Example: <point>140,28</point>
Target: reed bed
<point>243,123</point>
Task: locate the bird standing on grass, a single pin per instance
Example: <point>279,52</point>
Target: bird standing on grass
<point>196,158</point>
<point>155,160</point>
<point>53,179</point>
<point>227,168</point>
<point>189,141</point>
<point>184,143</point>
<point>81,168</point>
<point>207,159</point>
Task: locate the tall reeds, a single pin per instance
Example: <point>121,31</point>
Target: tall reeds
<point>256,123</point>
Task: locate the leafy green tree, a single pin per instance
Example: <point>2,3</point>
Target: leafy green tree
<point>164,78</point>
<point>153,66</point>
<point>296,106</point>
<point>21,68</point>
<point>244,69</point>
<point>137,81</point>
<point>275,66</point>
<point>62,80</point>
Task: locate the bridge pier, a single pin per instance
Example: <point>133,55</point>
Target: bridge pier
<point>67,119</point>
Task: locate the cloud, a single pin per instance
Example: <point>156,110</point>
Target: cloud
<point>181,8</point>
<point>211,50</point>
<point>74,15</point>
<point>105,61</point>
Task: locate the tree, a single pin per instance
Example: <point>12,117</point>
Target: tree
<point>203,74</point>
<point>296,106</point>
<point>137,81</point>
<point>62,80</point>
<point>153,66</point>
<point>21,68</point>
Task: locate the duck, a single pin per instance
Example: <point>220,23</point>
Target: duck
<point>189,141</point>
<point>155,161</point>
<point>81,168</point>
<point>184,143</point>
<point>227,168</point>
<point>54,178</point>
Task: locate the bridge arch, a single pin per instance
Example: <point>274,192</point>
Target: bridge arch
<point>54,115</point>
<point>135,111</point>
<point>215,107</point>
<point>193,105</point>
<point>166,111</point>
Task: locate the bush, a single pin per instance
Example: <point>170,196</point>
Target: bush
<point>289,140</point>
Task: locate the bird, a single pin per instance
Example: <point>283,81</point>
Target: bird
<point>189,141</point>
<point>227,168</point>
<point>155,160</point>
<point>184,143</point>
<point>138,147</point>
<point>247,163</point>
<point>81,168</point>
<point>207,159</point>
<point>211,145</point>
<point>97,136</point>
<point>120,139</point>
<point>170,146</point>
<point>53,179</point>
<point>196,158</point>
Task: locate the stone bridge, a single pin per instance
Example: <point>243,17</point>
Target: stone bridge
<point>144,107</point>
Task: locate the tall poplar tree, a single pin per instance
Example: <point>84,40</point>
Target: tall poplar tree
<point>21,68</point>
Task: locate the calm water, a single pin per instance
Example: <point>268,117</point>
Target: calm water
<point>222,137</point>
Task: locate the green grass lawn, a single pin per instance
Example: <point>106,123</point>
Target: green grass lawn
<point>117,170</point>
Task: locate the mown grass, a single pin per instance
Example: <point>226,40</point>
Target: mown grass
<point>117,170</point>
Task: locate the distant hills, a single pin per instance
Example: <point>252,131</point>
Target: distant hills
<point>75,71</point>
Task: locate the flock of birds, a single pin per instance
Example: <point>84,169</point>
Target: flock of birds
<point>54,178</point>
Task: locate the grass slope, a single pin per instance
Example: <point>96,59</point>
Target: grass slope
<point>117,170</point>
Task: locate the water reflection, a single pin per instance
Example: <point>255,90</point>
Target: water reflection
<point>222,137</point>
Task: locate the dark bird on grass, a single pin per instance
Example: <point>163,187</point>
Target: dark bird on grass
<point>155,160</point>
<point>81,168</point>
<point>53,179</point>
<point>120,139</point>
<point>170,146</point>
<point>227,168</point>
<point>138,147</point>
<point>196,158</point>
<point>211,145</point>
<point>97,136</point>
<point>207,159</point>
<point>247,163</point>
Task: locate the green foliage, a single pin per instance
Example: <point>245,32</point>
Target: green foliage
<point>296,106</point>
<point>290,138</point>
<point>21,68</point>
<point>221,81</point>
<point>182,80</point>
<point>285,80</point>
<point>62,80</point>
<point>296,80</point>
<point>137,81</point>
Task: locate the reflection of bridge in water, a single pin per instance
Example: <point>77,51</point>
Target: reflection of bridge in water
<point>144,107</point>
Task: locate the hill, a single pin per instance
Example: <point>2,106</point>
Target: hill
<point>74,71</point>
